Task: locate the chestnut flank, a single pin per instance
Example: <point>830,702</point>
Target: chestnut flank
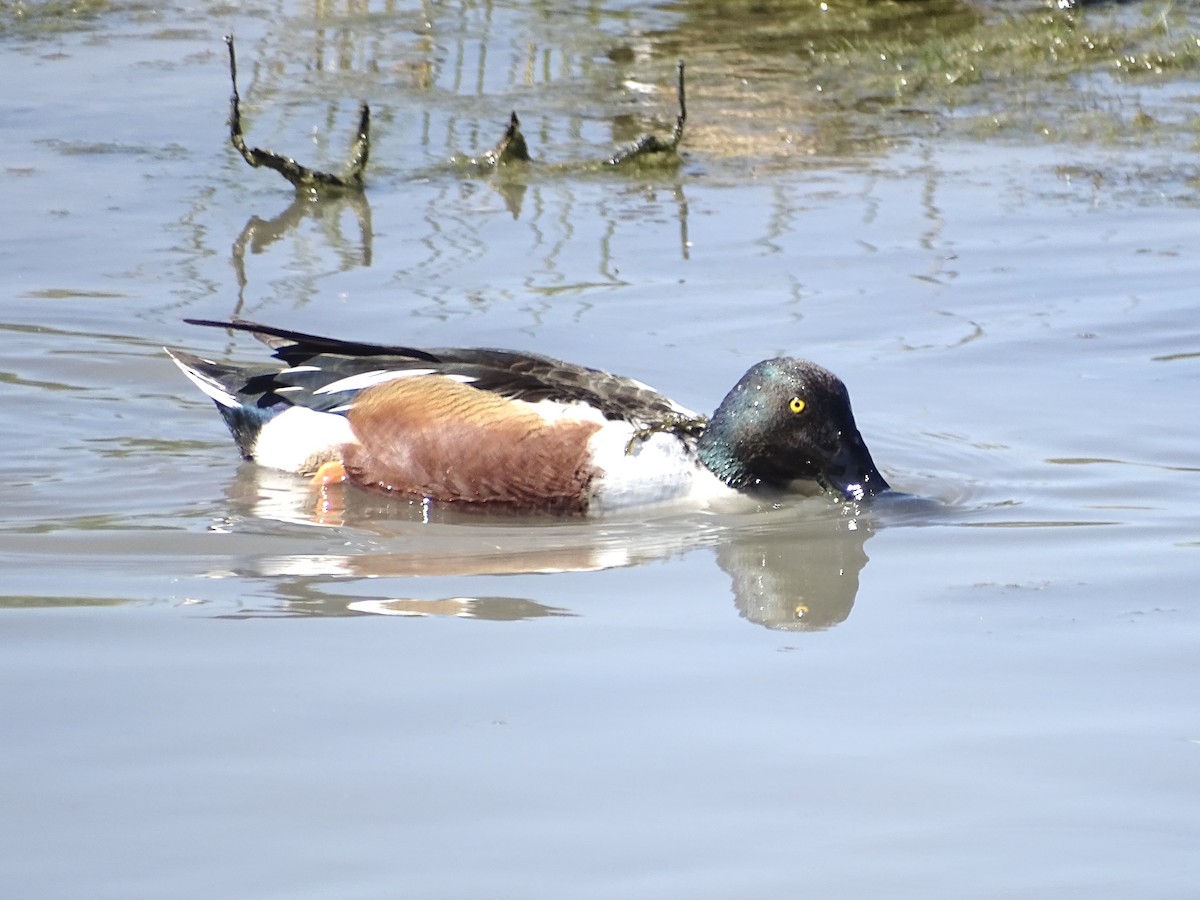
<point>434,437</point>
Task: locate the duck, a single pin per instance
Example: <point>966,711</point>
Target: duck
<point>521,432</point>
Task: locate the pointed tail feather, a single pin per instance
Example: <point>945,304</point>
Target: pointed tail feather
<point>202,373</point>
<point>215,380</point>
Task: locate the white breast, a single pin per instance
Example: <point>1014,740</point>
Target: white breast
<point>658,469</point>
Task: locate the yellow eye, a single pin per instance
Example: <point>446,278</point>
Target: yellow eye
<point>796,405</point>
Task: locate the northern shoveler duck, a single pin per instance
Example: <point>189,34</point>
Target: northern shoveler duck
<point>524,432</point>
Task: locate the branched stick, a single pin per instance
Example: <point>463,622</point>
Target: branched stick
<point>301,177</point>
<point>677,133</point>
<point>512,147</point>
<point>649,143</point>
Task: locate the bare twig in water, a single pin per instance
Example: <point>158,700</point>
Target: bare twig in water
<point>512,147</point>
<point>301,177</point>
<point>649,144</point>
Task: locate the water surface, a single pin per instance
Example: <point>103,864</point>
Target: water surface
<point>214,688</point>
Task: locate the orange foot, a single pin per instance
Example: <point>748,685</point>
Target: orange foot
<point>330,502</point>
<point>332,472</point>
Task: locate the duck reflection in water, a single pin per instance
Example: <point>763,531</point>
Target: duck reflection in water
<point>794,568</point>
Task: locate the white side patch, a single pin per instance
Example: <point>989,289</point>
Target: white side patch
<point>554,411</point>
<point>297,438</point>
<point>210,386</point>
<point>364,380</point>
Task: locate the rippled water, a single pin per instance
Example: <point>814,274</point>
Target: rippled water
<point>213,687</point>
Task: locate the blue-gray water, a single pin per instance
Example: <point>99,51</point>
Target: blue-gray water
<point>208,689</point>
